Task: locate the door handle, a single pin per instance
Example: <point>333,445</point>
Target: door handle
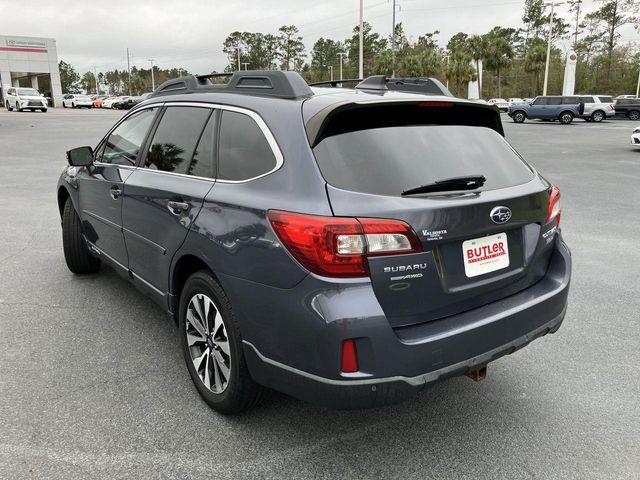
<point>115,192</point>
<point>177,207</point>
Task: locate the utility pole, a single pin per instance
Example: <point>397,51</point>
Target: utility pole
<point>331,70</point>
<point>361,46</point>
<point>238,48</point>
<point>638,87</point>
<point>95,77</point>
<point>153,79</point>
<point>245,65</point>
<point>575,41</point>
<point>546,67</point>
<point>341,55</point>
<point>393,41</point>
<point>129,70</point>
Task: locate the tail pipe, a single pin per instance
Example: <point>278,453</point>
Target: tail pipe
<point>478,375</point>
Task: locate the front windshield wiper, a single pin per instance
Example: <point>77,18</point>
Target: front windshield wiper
<point>470,182</point>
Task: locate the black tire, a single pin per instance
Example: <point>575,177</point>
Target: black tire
<point>566,118</point>
<point>598,116</point>
<point>241,392</point>
<point>519,116</point>
<point>9,107</point>
<point>634,115</point>
<point>76,253</point>
<point>73,105</point>
<point>64,105</point>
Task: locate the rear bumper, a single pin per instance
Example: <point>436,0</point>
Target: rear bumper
<point>397,363</point>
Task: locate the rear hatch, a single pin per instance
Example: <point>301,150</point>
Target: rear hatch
<point>479,245</point>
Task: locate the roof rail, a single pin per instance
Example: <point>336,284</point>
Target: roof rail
<point>335,83</point>
<point>268,83</point>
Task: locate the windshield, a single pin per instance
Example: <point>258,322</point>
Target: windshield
<point>389,160</point>
<point>28,92</point>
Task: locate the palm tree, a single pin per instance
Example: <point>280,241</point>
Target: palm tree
<point>430,62</point>
<point>499,55</point>
<point>534,63</point>
<point>459,70</point>
<point>477,46</point>
<point>383,63</point>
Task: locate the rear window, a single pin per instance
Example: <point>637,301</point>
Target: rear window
<point>389,160</point>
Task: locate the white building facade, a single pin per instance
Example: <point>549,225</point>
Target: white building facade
<point>30,62</point>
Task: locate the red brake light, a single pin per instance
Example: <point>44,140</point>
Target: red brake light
<point>435,104</point>
<point>349,357</point>
<point>554,210</point>
<point>339,246</point>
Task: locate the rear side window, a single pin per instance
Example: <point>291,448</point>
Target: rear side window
<point>175,139</point>
<point>389,160</point>
<point>123,144</point>
<point>243,151</point>
<point>606,99</point>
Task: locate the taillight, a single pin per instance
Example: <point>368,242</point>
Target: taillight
<point>339,246</point>
<point>349,357</point>
<point>613,106</point>
<point>554,206</point>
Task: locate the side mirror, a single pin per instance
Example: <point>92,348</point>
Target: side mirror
<point>80,156</point>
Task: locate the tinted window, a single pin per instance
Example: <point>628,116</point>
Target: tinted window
<point>244,151</point>
<point>176,138</point>
<point>570,100</point>
<point>587,100</point>
<point>540,101</point>
<point>123,145</point>
<point>606,99</point>
<point>554,101</point>
<point>386,161</point>
<point>204,160</point>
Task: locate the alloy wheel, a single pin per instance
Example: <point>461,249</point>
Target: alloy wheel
<point>208,343</point>
<point>597,117</point>
<point>634,115</point>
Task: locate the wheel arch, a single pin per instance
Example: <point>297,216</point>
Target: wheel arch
<point>182,268</point>
<point>520,111</point>
<point>63,196</point>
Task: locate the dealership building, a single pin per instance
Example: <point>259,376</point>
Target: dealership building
<point>30,62</point>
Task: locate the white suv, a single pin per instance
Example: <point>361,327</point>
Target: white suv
<point>597,107</point>
<point>19,98</point>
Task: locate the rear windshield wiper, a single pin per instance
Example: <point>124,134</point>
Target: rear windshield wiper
<point>470,182</point>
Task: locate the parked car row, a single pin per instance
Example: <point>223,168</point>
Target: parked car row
<point>591,108</point>
<point>73,100</point>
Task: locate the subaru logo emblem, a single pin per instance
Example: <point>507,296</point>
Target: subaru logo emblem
<point>500,215</point>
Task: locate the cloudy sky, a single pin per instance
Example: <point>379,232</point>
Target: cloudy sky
<point>189,33</point>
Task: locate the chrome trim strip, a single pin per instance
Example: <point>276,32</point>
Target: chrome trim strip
<point>126,167</point>
<point>161,249</point>
<point>159,292</point>
<point>109,223</point>
<point>102,253</point>
<point>195,177</point>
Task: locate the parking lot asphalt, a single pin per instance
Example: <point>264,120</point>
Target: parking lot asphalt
<point>93,384</point>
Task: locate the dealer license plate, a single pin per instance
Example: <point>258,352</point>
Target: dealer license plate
<point>485,255</point>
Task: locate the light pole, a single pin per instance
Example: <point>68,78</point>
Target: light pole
<point>361,46</point>
<point>245,65</point>
<point>638,87</point>
<point>546,67</point>
<point>331,70</point>
<point>393,41</point>
<point>341,55</point>
<point>153,79</point>
<point>95,77</point>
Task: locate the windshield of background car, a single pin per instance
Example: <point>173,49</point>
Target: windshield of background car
<point>28,92</point>
<point>389,160</point>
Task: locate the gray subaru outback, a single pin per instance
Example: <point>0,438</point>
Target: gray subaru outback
<point>348,247</point>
